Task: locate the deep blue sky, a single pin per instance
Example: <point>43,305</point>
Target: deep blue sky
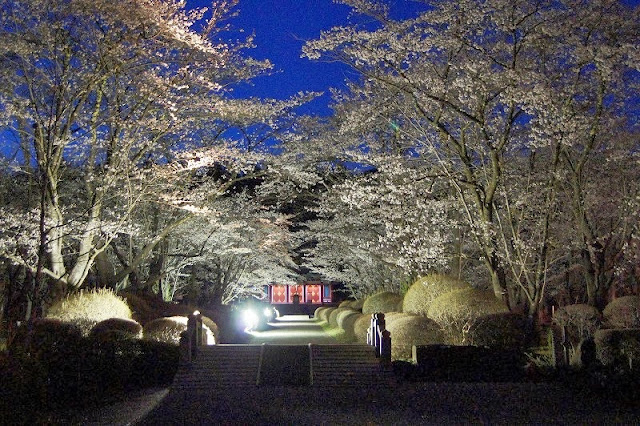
<point>281,27</point>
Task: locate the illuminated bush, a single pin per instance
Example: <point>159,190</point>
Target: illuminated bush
<point>426,289</point>
<point>86,308</point>
<point>502,330</point>
<point>357,304</point>
<point>623,312</point>
<point>409,330</point>
<point>382,302</point>
<point>346,320</point>
<point>324,315</point>
<point>129,327</point>
<point>318,311</point>
<point>345,304</point>
<point>455,311</point>
<point>360,327</point>
<point>166,329</point>
<point>333,316</point>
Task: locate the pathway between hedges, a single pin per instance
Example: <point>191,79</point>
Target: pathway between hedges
<point>382,403</point>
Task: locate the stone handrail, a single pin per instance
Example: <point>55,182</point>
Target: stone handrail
<point>379,337</point>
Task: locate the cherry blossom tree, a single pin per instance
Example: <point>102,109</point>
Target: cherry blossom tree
<point>473,89</point>
<point>93,95</point>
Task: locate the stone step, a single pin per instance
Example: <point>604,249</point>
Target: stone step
<point>227,366</point>
<point>347,365</point>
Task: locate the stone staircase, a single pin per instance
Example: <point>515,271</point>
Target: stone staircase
<point>220,366</point>
<point>236,366</point>
<point>347,365</point>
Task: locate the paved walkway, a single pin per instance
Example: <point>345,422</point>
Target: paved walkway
<point>292,329</point>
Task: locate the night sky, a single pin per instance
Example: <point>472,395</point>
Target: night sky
<point>281,28</point>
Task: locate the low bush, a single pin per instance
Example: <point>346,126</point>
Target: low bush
<point>131,327</point>
<point>357,304</point>
<point>333,316</point>
<point>623,312</point>
<point>346,320</point>
<point>318,311</point>
<point>468,364</point>
<point>384,302</point>
<point>409,330</point>
<point>618,348</point>
<point>425,290</point>
<point>86,308</point>
<point>501,330</point>
<point>165,330</point>
<point>345,303</point>
<point>324,315</point>
<point>360,327</point>
<point>456,310</point>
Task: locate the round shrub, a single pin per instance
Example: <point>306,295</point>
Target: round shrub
<point>346,320</point>
<point>167,329</point>
<point>324,315</point>
<point>456,310</point>
<point>345,304</point>
<point>318,311</point>
<point>357,304</point>
<point>426,289</point>
<point>409,330</point>
<point>333,316</point>
<point>618,347</point>
<point>623,312</point>
<point>502,330</point>
<point>130,327</point>
<point>86,308</point>
<point>360,327</point>
<point>382,302</point>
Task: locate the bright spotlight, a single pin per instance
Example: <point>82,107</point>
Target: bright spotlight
<point>250,319</point>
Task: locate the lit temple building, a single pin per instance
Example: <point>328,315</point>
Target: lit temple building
<point>315,293</point>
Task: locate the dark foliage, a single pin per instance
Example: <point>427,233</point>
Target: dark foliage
<point>50,366</point>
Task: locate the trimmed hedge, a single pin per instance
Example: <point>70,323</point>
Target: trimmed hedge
<point>360,327</point>
<point>165,330</point>
<point>51,366</point>
<point>409,330</point>
<point>324,314</point>
<point>333,316</point>
<point>425,290</point>
<point>623,312</point>
<point>501,330</point>
<point>468,364</point>
<point>131,327</point>
<point>456,310</point>
<point>317,312</point>
<point>357,304</point>
<point>347,320</point>
<point>345,303</point>
<point>618,347</point>
<point>86,308</point>
<point>382,302</point>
